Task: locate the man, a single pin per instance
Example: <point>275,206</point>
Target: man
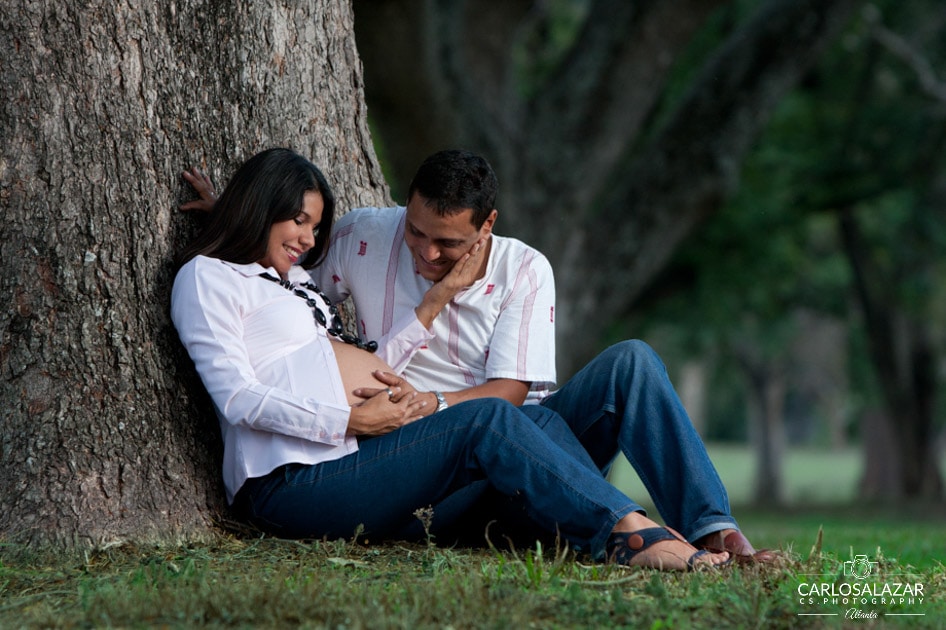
<point>464,314</point>
<point>474,315</point>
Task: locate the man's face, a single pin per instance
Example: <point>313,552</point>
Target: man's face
<point>437,242</point>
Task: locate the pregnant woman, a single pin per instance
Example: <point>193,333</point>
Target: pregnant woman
<point>305,458</point>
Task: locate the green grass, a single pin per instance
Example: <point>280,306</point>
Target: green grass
<point>258,582</point>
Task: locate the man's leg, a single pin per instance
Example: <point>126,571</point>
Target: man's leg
<point>623,401</point>
<point>477,511</point>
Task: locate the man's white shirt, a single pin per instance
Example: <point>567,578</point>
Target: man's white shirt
<point>502,326</point>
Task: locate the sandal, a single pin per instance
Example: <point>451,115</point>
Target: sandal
<point>741,550</point>
<point>623,546</point>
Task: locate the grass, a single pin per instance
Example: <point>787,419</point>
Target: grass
<point>247,581</point>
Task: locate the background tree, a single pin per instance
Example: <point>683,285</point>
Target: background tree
<point>102,104</point>
<point>840,216</point>
<point>608,158</point>
<point>885,180</point>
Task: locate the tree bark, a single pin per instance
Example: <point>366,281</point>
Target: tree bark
<point>106,434</point>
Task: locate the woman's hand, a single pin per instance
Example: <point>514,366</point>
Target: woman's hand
<point>380,414</point>
<point>398,389</point>
<point>204,187</point>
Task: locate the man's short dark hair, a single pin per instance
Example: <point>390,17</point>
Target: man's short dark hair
<point>454,180</point>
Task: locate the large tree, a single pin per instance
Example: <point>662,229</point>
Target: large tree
<point>606,163</point>
<point>105,435</point>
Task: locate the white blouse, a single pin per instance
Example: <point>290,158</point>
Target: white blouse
<point>270,371</point>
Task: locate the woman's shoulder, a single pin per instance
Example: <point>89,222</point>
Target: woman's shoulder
<point>208,266</point>
<point>198,267</point>
<point>204,274</point>
<point>207,285</point>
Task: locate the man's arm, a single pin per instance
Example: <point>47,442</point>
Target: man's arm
<point>408,334</point>
<point>506,388</point>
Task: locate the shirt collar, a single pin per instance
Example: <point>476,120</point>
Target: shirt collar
<point>254,269</point>
<point>249,269</point>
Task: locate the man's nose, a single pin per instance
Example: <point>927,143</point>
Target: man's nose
<point>430,252</point>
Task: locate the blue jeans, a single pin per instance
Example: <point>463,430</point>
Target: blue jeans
<point>448,460</point>
<point>623,401</point>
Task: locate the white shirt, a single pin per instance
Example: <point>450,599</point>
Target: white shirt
<point>270,370</point>
<point>503,326</point>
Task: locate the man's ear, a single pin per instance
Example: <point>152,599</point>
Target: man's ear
<point>487,227</point>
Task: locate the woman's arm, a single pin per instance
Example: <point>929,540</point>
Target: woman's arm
<point>208,304</point>
<point>409,334</point>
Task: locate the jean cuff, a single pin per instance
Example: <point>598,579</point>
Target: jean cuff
<point>704,529</point>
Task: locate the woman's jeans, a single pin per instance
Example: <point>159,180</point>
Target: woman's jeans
<point>623,400</point>
<point>448,460</point>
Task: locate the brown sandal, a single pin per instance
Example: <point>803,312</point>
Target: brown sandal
<point>742,551</point>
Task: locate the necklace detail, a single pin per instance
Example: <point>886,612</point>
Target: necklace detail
<point>335,330</point>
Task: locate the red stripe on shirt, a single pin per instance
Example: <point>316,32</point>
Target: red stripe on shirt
<point>453,344</point>
<point>387,316</point>
<point>341,233</point>
<point>526,273</point>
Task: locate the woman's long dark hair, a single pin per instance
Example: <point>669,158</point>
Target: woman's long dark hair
<point>266,189</point>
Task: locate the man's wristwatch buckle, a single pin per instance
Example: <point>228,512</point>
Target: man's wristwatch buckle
<point>441,401</point>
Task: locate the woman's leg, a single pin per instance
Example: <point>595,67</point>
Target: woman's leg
<point>623,399</point>
<point>421,464</point>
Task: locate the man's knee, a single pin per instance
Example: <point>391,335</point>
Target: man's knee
<point>489,413</point>
<point>540,415</point>
<point>630,354</point>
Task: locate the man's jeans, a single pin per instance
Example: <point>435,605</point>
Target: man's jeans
<point>448,461</point>
<point>623,401</point>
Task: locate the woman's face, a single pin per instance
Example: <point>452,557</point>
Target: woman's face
<point>289,240</point>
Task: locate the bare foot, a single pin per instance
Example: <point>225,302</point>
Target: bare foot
<point>658,547</point>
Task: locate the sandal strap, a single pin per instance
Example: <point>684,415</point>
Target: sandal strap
<point>691,561</point>
<point>623,546</point>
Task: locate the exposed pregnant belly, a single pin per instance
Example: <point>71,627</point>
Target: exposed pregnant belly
<point>356,366</point>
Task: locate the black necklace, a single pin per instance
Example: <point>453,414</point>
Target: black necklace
<point>336,329</point>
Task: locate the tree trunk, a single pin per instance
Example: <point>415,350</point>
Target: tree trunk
<point>902,354</point>
<point>766,391</point>
<point>106,434</point>
<point>693,391</point>
<point>881,479</point>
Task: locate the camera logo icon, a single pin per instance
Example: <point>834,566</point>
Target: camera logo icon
<point>860,567</point>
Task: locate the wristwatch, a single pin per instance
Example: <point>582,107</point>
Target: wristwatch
<point>441,401</point>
